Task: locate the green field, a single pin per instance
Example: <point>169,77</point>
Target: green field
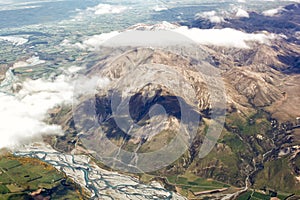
<point>251,195</point>
<point>277,175</point>
<point>28,175</point>
<point>4,189</point>
<point>194,183</point>
<point>20,176</point>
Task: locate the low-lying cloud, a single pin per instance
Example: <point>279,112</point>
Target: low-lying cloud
<point>242,13</point>
<point>226,37</point>
<point>98,10</point>
<point>272,12</point>
<point>101,9</point>
<point>159,8</point>
<point>34,60</point>
<point>14,40</point>
<point>211,16</point>
<point>23,114</point>
<point>95,41</point>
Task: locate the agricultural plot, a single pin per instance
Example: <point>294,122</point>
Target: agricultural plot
<point>21,176</point>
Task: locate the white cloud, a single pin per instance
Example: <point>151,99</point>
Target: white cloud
<point>74,69</point>
<point>15,40</point>
<point>93,42</point>
<point>34,60</point>
<point>101,9</point>
<point>22,114</point>
<point>163,33</point>
<point>153,27</point>
<point>89,85</point>
<point>242,13</point>
<point>272,12</point>
<point>224,37</point>
<point>96,41</point>
<point>211,16</point>
<point>158,8</point>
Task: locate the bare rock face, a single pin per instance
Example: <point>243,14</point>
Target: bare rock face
<point>141,108</point>
<point>254,86</point>
<point>3,70</point>
<point>161,71</point>
<point>255,79</point>
<point>148,88</point>
<point>264,78</point>
<point>151,96</point>
<point>143,77</point>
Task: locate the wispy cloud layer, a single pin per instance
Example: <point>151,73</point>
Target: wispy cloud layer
<point>272,12</point>
<point>158,8</point>
<point>242,13</point>
<point>211,16</point>
<point>98,10</point>
<point>15,40</point>
<point>226,37</point>
<point>22,115</point>
<point>101,9</point>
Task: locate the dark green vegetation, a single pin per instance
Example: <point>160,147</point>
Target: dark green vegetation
<point>187,184</point>
<point>251,195</point>
<point>25,178</point>
<point>254,195</point>
<point>194,184</point>
<point>61,115</point>
<point>277,175</point>
<point>238,154</point>
<point>239,140</point>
